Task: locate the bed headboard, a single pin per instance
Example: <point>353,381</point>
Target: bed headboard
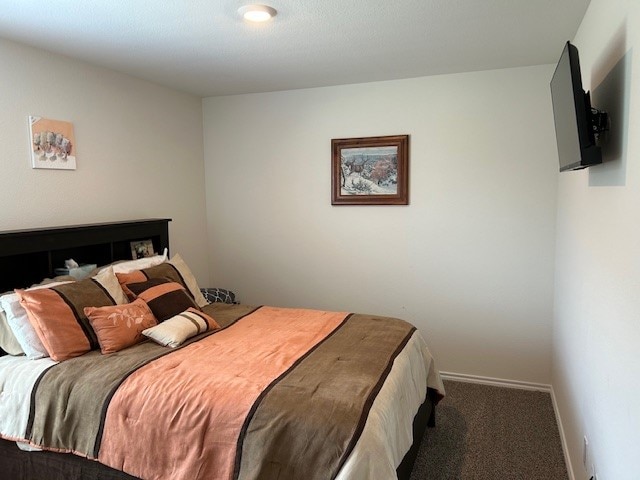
<point>28,256</point>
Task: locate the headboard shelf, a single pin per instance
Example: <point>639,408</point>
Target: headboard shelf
<point>28,256</point>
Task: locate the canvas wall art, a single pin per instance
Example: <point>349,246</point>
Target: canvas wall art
<point>53,144</point>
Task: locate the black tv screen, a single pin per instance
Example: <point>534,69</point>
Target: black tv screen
<point>572,114</point>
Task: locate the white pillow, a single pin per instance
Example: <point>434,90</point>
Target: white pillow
<point>21,326</point>
<point>189,279</point>
<point>8,341</point>
<point>174,331</point>
<point>139,264</point>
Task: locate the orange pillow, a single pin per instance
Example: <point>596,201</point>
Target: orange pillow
<point>120,326</point>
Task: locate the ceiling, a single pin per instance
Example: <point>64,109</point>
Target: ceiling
<point>204,47</point>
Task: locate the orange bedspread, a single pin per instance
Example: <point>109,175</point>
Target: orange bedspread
<point>197,412</point>
<point>276,394</point>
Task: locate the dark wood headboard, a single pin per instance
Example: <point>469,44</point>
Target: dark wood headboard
<point>28,256</point>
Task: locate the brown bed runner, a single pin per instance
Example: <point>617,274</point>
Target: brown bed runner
<point>307,424</point>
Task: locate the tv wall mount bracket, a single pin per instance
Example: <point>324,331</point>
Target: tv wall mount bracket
<point>599,122</point>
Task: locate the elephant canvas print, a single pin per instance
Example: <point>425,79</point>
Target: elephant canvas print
<point>53,144</point>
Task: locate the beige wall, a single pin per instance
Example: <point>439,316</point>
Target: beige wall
<point>139,150</point>
<point>469,261</point>
<point>596,374</point>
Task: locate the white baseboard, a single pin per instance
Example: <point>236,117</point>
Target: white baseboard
<point>539,387</point>
<point>496,382</point>
<point>563,439</point>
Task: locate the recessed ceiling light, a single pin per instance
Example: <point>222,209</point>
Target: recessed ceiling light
<point>257,13</point>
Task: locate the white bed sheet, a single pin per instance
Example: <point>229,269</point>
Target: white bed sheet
<point>388,432</point>
<point>18,376</point>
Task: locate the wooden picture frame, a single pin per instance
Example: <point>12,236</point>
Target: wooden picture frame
<point>370,170</point>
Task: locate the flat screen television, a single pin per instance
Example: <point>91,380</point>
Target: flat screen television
<point>577,123</point>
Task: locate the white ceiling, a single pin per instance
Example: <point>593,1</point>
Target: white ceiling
<point>204,47</point>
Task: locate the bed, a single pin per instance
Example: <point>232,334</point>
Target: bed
<point>261,392</point>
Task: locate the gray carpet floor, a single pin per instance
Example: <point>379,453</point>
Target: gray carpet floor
<point>486,433</point>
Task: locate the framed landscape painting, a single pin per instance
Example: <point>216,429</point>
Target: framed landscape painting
<point>370,171</point>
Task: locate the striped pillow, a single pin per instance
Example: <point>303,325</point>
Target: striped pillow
<point>174,331</point>
<point>18,321</point>
<point>162,271</point>
<point>57,313</point>
<point>164,297</point>
<point>175,269</point>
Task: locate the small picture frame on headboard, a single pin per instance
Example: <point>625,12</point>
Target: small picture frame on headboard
<point>142,249</point>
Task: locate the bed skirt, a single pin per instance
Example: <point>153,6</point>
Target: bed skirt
<point>19,465</point>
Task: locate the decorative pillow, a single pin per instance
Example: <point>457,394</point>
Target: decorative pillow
<point>164,297</point>
<point>20,325</point>
<point>218,295</point>
<point>140,263</point>
<point>120,326</point>
<point>189,279</point>
<point>175,269</point>
<point>174,331</point>
<point>111,284</point>
<point>8,341</point>
<point>57,313</point>
<point>163,271</point>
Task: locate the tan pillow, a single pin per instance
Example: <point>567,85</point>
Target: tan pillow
<point>8,341</point>
<point>107,278</point>
<point>174,331</point>
<point>120,326</point>
<point>189,279</point>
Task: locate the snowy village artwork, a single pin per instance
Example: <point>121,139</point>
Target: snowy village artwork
<point>370,171</point>
<point>52,144</point>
